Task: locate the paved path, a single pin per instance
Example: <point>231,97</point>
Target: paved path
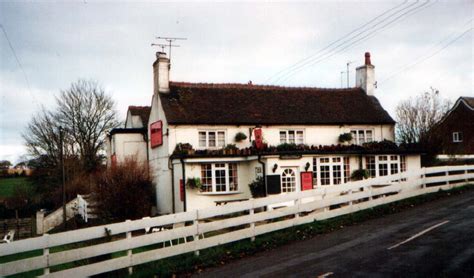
<point>432,240</point>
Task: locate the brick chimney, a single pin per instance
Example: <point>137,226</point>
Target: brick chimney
<point>365,76</point>
<point>161,73</point>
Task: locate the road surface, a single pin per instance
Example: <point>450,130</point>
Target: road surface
<point>435,239</point>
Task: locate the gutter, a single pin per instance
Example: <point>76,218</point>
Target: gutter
<point>184,183</point>
<point>264,173</point>
<point>172,182</point>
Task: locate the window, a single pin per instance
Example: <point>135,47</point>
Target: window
<point>212,139</point>
<point>371,166</point>
<point>330,170</point>
<point>384,165</point>
<point>288,181</point>
<point>457,137</point>
<point>292,136</point>
<point>394,164</point>
<point>219,177</point>
<point>361,136</point>
<point>347,169</point>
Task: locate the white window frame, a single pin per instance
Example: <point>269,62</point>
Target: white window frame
<point>287,136</point>
<point>216,166</point>
<point>290,181</point>
<point>320,161</point>
<point>457,137</point>
<point>359,131</point>
<point>216,131</point>
<point>399,160</point>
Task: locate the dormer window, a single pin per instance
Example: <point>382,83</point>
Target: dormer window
<point>292,136</point>
<point>457,137</point>
<point>212,139</point>
<point>361,136</point>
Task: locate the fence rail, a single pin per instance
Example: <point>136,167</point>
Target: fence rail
<point>196,230</point>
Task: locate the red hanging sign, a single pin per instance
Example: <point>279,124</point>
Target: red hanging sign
<point>306,181</point>
<point>156,134</point>
<point>181,190</point>
<point>258,138</point>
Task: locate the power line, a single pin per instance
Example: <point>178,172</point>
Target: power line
<point>336,41</point>
<point>18,62</point>
<point>429,56</point>
<point>367,36</point>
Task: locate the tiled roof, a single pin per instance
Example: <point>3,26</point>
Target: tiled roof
<point>239,104</point>
<point>469,101</point>
<point>142,111</point>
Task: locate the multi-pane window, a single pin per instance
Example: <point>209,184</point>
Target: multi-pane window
<point>383,165</point>
<point>288,181</point>
<point>315,172</point>
<point>206,177</point>
<point>219,177</point>
<point>329,170</point>
<point>211,139</point>
<point>361,136</point>
<point>292,136</point>
<point>457,137</point>
<point>371,166</point>
<point>403,163</point>
<point>394,164</point>
<point>347,169</point>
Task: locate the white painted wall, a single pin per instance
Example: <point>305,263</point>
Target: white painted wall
<point>129,145</point>
<point>314,135</point>
<point>159,161</point>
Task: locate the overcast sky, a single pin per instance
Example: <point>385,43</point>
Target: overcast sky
<point>414,46</point>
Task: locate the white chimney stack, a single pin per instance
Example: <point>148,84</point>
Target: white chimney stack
<point>365,76</point>
<point>161,73</point>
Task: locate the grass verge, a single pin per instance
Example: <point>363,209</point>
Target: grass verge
<point>8,185</point>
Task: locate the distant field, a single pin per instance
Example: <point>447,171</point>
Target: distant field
<point>8,185</point>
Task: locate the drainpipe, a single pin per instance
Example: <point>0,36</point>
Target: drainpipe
<point>264,173</point>
<point>172,182</point>
<point>184,183</point>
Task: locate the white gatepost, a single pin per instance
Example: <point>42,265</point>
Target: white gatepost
<point>46,254</point>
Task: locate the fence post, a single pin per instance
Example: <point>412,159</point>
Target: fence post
<point>46,254</point>
<point>252,224</point>
<point>423,185</point>
<point>466,180</point>
<point>196,236</point>
<point>129,251</point>
<point>447,174</point>
<point>39,222</point>
<point>297,204</point>
<point>351,201</point>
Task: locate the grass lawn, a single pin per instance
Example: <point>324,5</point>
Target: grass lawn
<point>8,185</point>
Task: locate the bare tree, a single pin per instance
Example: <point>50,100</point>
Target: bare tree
<point>417,116</point>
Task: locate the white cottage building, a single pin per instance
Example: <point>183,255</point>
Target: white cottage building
<point>224,136</point>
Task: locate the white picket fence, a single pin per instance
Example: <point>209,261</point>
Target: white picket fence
<point>199,229</point>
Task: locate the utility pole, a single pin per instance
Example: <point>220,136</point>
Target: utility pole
<point>342,78</point>
<point>61,154</point>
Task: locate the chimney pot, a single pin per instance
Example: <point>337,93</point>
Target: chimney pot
<point>367,58</point>
<point>161,72</point>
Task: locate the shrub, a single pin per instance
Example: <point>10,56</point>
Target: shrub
<point>194,183</point>
<point>257,188</point>
<point>287,147</point>
<point>124,191</point>
<point>240,136</point>
<point>231,147</point>
<point>345,137</point>
<point>182,148</point>
<point>360,174</point>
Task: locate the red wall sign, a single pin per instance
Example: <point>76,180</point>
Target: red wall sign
<point>156,134</point>
<point>306,181</point>
<point>258,138</point>
<point>181,190</point>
